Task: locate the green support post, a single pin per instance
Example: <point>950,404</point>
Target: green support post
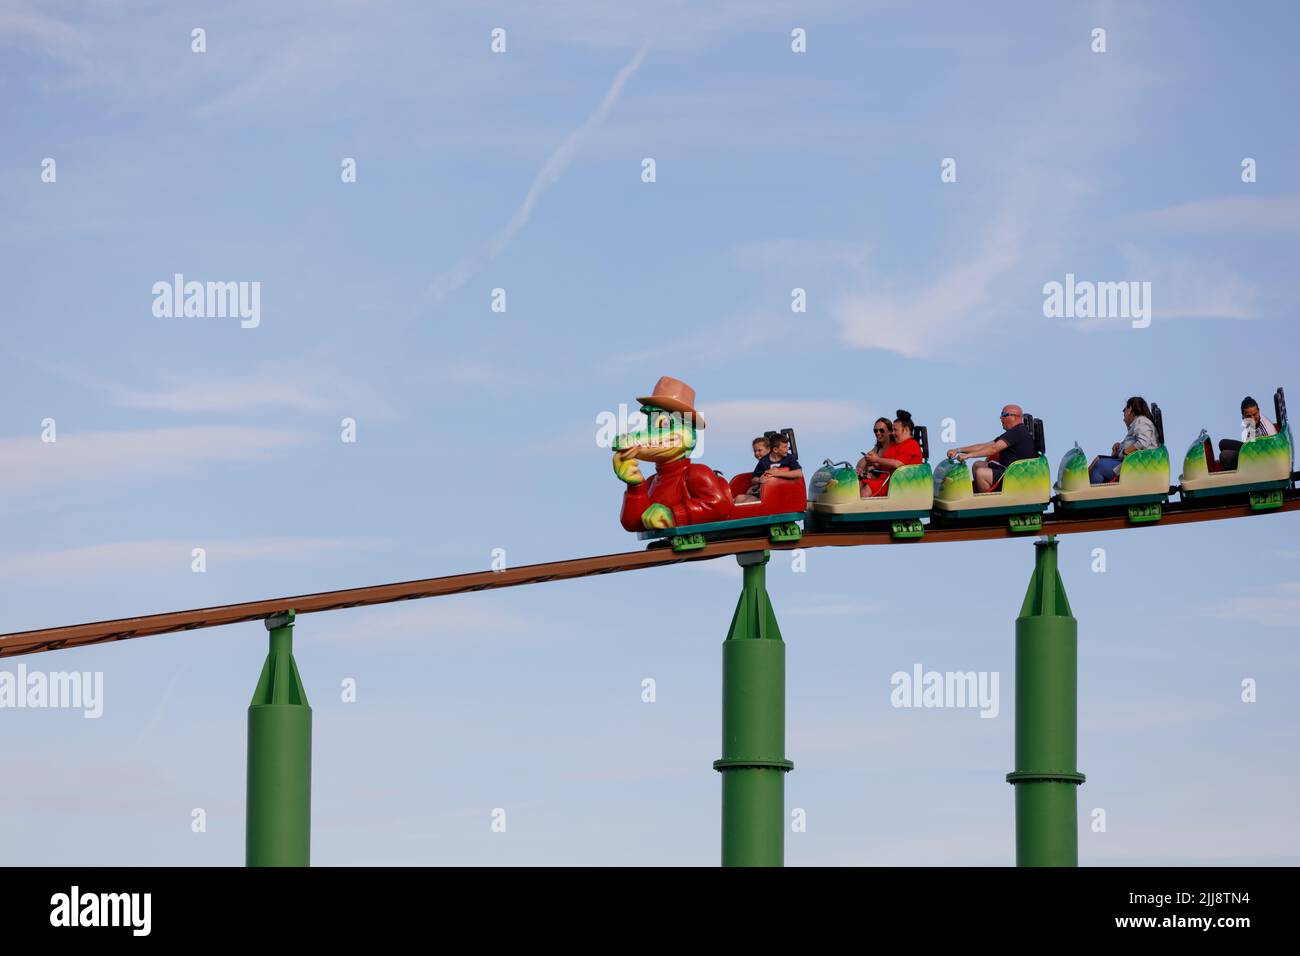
<point>279,758</point>
<point>1047,684</point>
<point>753,764</point>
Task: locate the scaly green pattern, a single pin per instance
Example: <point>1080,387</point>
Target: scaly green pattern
<point>952,481</point>
<point>1146,471</point>
<point>1072,475</point>
<point>911,486</point>
<point>1194,463</point>
<point>1264,459</point>
<point>1028,481</point>
<point>838,484</point>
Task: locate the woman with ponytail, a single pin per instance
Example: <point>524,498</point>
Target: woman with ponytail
<point>903,450</point>
<point>1141,434</point>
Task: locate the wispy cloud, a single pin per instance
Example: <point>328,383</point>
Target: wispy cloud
<point>319,380</point>
<point>547,176</point>
<point>229,394</point>
<point>22,26</point>
<point>1261,216</point>
<point>1020,219</point>
<point>1270,610</point>
<point>145,453</point>
<point>1187,287</point>
<point>306,63</point>
<point>953,307</point>
<point>261,55</point>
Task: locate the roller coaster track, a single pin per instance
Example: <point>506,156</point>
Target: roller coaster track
<point>80,635</point>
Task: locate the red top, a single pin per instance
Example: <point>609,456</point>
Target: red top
<point>908,452</point>
<point>694,493</point>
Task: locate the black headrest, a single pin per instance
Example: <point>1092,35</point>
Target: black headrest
<point>922,436</point>
<point>1035,426</point>
<point>1158,419</point>
<point>1279,408</point>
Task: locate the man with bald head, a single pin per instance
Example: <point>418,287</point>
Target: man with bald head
<point>1013,444</point>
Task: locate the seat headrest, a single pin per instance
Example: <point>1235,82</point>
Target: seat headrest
<point>922,436</point>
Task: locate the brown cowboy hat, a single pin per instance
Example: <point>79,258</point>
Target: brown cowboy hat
<point>676,396</point>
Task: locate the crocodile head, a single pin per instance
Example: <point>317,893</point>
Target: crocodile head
<point>667,436</point>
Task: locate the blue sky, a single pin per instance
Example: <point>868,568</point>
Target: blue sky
<point>476,429</point>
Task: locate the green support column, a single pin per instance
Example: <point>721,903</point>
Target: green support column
<point>1045,779</point>
<point>753,764</point>
<point>279,758</point>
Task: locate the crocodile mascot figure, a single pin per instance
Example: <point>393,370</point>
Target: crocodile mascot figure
<point>680,492</point>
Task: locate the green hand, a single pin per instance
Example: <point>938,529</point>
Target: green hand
<point>657,516</point>
<point>625,467</point>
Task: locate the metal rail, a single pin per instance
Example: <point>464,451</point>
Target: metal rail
<point>80,635</point>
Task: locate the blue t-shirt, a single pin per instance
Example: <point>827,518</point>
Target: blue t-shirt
<point>1020,445</point>
<point>789,461</point>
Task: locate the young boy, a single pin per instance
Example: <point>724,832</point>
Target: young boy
<point>784,465</point>
<point>779,465</point>
<point>762,447</point>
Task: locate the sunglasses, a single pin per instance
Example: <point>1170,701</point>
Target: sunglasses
<point>1007,415</point>
<point>880,430</point>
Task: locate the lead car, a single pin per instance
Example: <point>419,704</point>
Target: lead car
<point>778,511</point>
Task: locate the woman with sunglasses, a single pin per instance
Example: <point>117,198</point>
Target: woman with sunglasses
<point>903,450</point>
<point>884,430</point>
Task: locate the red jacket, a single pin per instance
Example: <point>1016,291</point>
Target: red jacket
<point>695,493</point>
